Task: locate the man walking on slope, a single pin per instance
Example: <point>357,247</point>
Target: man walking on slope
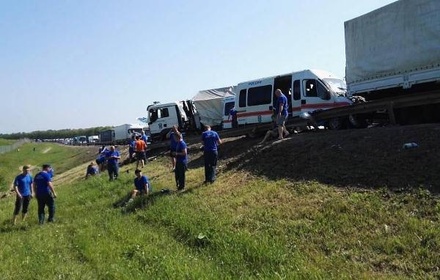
<point>210,140</point>
<point>45,193</point>
<point>281,110</point>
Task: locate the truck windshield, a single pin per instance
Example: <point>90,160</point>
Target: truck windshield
<point>336,85</point>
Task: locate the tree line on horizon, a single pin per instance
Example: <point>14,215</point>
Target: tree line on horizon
<point>56,134</point>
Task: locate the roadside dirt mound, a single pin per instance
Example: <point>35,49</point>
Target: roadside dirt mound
<point>361,158</point>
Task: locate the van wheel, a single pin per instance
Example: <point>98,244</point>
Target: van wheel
<point>335,124</point>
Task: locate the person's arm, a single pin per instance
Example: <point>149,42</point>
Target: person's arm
<point>147,188</point>
<point>280,109</point>
<point>183,152</point>
<point>219,141</point>
<point>17,191</point>
<point>33,188</point>
<point>52,189</point>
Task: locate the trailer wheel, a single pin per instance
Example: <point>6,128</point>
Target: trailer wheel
<point>358,121</point>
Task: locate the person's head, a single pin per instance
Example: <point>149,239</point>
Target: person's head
<point>138,137</point>
<point>177,136</point>
<point>26,169</point>
<point>92,163</point>
<point>112,148</point>
<point>138,173</point>
<point>207,127</point>
<point>278,92</point>
<point>174,128</point>
<point>46,167</point>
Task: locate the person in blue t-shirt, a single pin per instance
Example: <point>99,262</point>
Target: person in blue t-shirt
<point>233,116</point>
<point>45,194</point>
<point>131,145</point>
<point>101,159</point>
<point>113,157</point>
<point>142,185</point>
<point>181,155</point>
<point>92,170</point>
<point>173,145</point>
<point>210,140</point>
<point>23,186</point>
<point>282,112</point>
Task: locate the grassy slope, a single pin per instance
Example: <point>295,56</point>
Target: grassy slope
<point>243,226</point>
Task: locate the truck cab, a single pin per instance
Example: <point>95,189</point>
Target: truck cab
<point>162,117</point>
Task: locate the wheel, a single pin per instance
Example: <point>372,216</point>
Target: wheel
<point>358,121</point>
<point>335,124</point>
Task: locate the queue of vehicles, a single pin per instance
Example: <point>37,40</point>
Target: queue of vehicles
<point>392,63</point>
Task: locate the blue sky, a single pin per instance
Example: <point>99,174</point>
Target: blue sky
<point>80,64</point>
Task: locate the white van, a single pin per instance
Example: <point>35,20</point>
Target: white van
<point>306,91</point>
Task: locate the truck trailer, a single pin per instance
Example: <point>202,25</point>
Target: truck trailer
<point>394,50</point>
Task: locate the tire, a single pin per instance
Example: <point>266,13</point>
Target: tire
<point>335,124</point>
<point>358,121</point>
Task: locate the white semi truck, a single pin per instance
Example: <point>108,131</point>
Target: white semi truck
<point>207,107</point>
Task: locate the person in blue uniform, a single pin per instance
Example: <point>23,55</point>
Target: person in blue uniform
<point>45,194</point>
<point>113,157</point>
<point>211,140</point>
<point>181,155</point>
<point>23,190</point>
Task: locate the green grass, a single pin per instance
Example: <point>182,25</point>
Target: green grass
<point>5,142</point>
<point>241,227</point>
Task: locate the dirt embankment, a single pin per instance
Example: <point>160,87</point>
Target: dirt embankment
<point>361,158</point>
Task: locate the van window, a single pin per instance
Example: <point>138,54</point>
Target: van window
<point>296,90</point>
<point>228,107</point>
<point>316,89</point>
<point>260,95</point>
<point>242,98</point>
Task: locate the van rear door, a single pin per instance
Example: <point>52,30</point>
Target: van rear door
<point>254,102</point>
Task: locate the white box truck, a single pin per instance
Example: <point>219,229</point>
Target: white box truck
<point>123,132</point>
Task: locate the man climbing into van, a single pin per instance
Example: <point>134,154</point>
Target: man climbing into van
<point>282,111</point>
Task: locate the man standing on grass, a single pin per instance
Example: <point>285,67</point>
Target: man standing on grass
<point>210,140</point>
<point>23,186</point>
<point>181,155</point>
<point>140,147</point>
<point>45,193</point>
<point>113,157</point>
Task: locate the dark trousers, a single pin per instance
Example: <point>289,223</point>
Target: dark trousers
<point>210,165</point>
<point>113,170</point>
<point>22,202</point>
<point>179,174</point>
<point>44,200</point>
